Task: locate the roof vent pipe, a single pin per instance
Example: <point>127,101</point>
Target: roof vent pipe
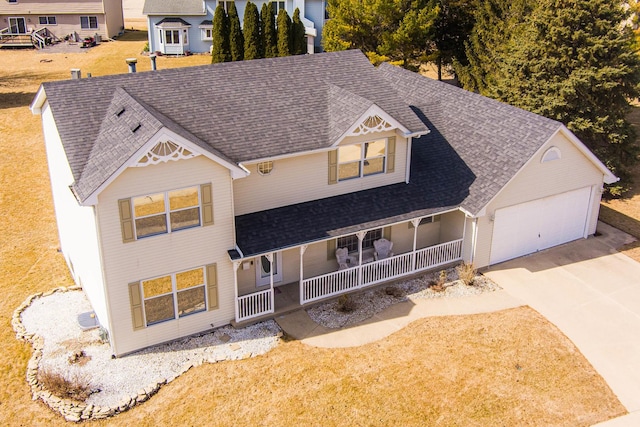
<point>152,57</point>
<point>131,62</point>
<point>76,74</point>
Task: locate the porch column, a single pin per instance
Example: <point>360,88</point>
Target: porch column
<point>416,223</point>
<point>269,257</point>
<point>464,233</point>
<point>303,249</point>
<point>360,235</point>
<point>236,265</point>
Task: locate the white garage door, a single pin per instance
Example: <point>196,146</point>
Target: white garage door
<point>532,226</point>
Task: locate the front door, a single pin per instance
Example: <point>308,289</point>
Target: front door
<point>263,270</point>
<point>17,26</point>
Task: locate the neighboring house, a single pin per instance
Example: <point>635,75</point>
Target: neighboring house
<point>61,18</point>
<point>190,198</point>
<point>180,26</point>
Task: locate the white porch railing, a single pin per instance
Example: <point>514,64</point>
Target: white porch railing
<point>254,305</point>
<point>329,284</point>
<point>338,282</point>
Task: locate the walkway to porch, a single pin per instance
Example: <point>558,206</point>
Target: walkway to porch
<point>274,301</point>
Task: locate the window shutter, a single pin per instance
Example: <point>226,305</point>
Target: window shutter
<point>212,286</point>
<point>207,204</point>
<point>136,305</point>
<point>126,220</point>
<point>331,249</point>
<point>391,154</point>
<point>386,233</point>
<point>333,167</point>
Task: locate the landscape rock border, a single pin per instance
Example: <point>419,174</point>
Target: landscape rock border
<point>71,410</point>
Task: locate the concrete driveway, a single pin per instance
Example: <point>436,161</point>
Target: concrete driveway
<point>592,293</point>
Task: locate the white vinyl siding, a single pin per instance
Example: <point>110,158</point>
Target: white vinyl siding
<point>538,180</point>
<point>174,252</point>
<point>304,178</point>
<point>76,224</point>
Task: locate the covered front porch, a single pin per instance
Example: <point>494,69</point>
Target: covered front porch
<point>284,280</point>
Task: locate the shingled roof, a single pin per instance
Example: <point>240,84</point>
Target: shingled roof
<point>476,145</point>
<point>241,111</point>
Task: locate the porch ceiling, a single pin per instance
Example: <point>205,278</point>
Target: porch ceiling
<point>440,181</point>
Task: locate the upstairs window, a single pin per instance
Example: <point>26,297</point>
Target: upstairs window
<point>89,22</point>
<point>166,212</point>
<point>162,213</point>
<point>265,168</point>
<point>358,160</point>
<point>225,5</point>
<point>277,5</point>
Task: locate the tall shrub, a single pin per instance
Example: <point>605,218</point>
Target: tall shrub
<point>220,51</point>
<point>236,39</point>
<point>284,33</point>
<point>252,39</point>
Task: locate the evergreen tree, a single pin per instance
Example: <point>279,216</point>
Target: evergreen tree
<point>269,35</point>
<point>298,43</point>
<point>252,39</point>
<point>402,30</point>
<point>220,51</point>
<point>575,62</point>
<point>452,29</point>
<point>236,39</point>
<point>284,33</point>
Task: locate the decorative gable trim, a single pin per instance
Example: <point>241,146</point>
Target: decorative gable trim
<point>162,135</point>
<point>165,151</point>
<point>375,119</point>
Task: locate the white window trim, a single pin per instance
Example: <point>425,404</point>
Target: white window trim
<point>551,154</point>
<point>203,33</point>
<point>174,292</point>
<point>89,27</point>
<point>362,159</point>
<point>381,229</point>
<point>167,213</point>
<point>47,18</point>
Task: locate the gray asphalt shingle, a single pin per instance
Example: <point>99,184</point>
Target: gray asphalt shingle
<point>173,7</point>
<point>243,110</point>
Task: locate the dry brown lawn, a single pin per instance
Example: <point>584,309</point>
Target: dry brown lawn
<point>505,368</point>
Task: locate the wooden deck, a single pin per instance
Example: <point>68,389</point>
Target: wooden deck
<point>16,40</point>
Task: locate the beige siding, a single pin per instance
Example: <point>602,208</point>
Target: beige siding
<point>304,178</point>
<point>114,17</point>
<point>451,226</point>
<point>537,180</point>
<point>168,253</point>
<point>76,224</point>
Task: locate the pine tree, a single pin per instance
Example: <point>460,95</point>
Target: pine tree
<point>252,39</point>
<point>269,35</point>
<point>284,33</point>
<point>236,39</point>
<point>452,30</point>
<point>220,51</point>
<point>575,62</point>
<point>298,43</point>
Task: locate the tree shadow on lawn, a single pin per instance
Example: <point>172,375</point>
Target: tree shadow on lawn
<point>15,99</point>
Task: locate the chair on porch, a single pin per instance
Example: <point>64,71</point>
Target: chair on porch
<point>383,249</point>
<point>344,259</point>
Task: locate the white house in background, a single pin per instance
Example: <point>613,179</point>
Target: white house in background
<point>192,198</point>
<point>178,26</point>
<point>61,18</point>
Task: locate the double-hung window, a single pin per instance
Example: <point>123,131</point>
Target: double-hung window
<point>173,296</point>
<point>277,6</point>
<point>166,212</point>
<point>358,160</point>
<point>225,5</point>
<point>172,36</point>
<point>351,242</point>
<point>47,20</point>
<point>89,22</point>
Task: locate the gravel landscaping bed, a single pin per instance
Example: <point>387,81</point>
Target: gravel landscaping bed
<point>366,304</point>
<point>53,318</point>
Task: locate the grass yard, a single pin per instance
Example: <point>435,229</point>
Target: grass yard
<point>505,368</point>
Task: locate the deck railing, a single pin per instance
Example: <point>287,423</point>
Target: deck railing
<point>254,305</point>
<point>339,282</point>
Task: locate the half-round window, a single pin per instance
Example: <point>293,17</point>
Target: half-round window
<point>265,168</point>
<point>551,154</point>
